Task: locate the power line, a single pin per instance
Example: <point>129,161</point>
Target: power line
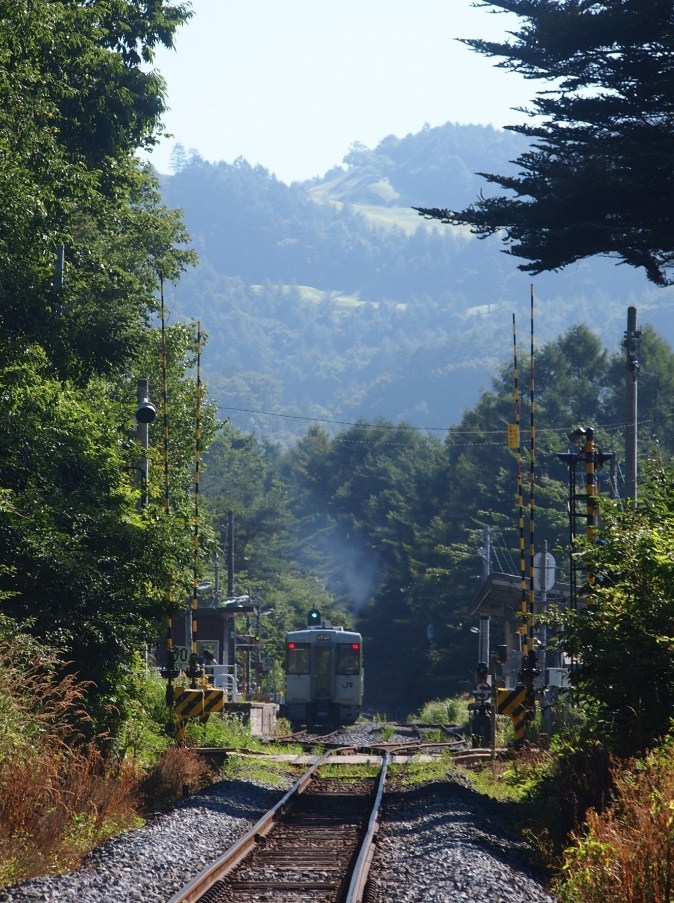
<point>392,427</point>
<point>380,426</point>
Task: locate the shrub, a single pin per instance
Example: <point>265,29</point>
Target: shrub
<point>142,733</point>
<point>179,772</point>
<point>222,731</point>
<point>442,711</point>
<point>575,778</point>
<point>627,852</point>
<point>58,795</point>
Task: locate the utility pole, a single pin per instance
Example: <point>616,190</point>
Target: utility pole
<point>631,345</point>
<point>230,554</point>
<point>231,651</point>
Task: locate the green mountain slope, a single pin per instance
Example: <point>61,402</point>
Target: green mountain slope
<point>331,300</point>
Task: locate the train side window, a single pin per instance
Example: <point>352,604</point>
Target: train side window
<point>348,659</point>
<point>298,658</point>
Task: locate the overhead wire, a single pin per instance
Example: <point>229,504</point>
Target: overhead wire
<point>393,427</point>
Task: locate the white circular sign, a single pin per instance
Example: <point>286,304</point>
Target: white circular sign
<point>544,571</point>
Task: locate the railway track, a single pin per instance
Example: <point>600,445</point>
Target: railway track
<point>414,737</point>
<point>316,844</point>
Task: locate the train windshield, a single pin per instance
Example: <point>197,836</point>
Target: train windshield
<point>298,658</point>
<point>348,658</point>
<point>323,670</point>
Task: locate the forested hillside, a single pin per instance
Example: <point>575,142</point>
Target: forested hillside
<point>389,520</point>
<point>333,300</point>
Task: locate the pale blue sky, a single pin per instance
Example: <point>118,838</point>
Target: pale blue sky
<point>291,85</point>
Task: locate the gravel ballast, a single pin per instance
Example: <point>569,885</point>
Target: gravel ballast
<point>446,843</point>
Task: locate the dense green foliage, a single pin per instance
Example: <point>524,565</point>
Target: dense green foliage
<point>73,113</point>
<point>82,566</point>
<point>623,639</point>
<point>597,177</point>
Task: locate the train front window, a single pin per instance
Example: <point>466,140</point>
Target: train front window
<point>323,670</point>
<point>348,658</point>
<point>298,658</point>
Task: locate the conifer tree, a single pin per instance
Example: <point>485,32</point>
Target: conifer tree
<point>597,178</point>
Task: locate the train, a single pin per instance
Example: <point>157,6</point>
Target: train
<point>324,674</point>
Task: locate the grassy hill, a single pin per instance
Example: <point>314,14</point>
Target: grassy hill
<point>334,296</point>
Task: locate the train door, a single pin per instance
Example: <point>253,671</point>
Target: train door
<point>349,680</point>
<point>323,671</point>
<point>298,681</point>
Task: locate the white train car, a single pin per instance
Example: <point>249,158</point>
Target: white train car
<point>324,674</point>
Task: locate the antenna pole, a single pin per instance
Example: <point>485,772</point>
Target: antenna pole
<point>517,443</point>
<point>631,345</point>
<point>195,671</point>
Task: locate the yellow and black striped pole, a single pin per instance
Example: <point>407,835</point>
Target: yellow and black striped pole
<point>529,669</point>
<point>530,649</point>
<point>201,699</point>
<point>514,442</point>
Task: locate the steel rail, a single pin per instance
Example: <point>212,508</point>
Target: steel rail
<point>361,870</point>
<point>200,884</point>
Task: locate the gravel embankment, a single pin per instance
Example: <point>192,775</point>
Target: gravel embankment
<point>445,843</point>
<point>152,863</point>
<point>441,842</point>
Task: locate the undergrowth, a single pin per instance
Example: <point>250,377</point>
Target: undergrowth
<point>346,770</point>
<point>222,732</point>
<point>180,771</point>
<point>443,711</point>
<point>271,773</point>
<point>62,791</point>
<point>626,851</point>
<point>58,795</point>
<point>574,779</point>
<point>418,771</point>
<point>509,779</point>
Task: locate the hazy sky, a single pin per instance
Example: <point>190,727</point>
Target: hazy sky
<point>291,85</point>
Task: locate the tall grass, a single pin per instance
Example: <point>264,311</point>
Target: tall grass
<point>58,796</point>
<point>61,791</point>
<point>443,711</point>
<point>626,853</point>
